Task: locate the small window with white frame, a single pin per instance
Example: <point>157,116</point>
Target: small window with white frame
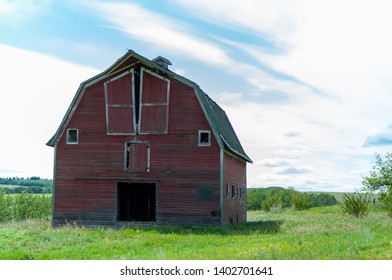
<point>72,136</point>
<point>204,138</point>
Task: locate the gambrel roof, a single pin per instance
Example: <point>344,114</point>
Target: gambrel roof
<point>217,118</point>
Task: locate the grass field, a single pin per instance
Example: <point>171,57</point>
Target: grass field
<point>315,234</point>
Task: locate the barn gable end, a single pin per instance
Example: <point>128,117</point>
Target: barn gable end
<point>140,143</point>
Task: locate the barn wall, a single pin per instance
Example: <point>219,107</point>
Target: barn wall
<point>74,202</point>
<point>234,205</point>
<point>87,173</point>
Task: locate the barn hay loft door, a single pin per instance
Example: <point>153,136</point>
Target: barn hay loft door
<point>136,202</point>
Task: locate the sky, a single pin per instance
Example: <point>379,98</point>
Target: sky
<point>306,83</point>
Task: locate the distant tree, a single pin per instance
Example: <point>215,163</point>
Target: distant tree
<point>254,199</point>
<point>322,199</point>
<point>301,201</point>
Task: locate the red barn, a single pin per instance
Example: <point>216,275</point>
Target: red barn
<point>140,143</point>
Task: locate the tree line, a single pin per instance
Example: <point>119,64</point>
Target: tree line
<point>18,185</point>
<point>278,198</point>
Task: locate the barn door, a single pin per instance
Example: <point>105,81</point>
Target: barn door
<point>154,103</point>
<point>136,202</point>
<point>137,156</point>
<point>120,105</point>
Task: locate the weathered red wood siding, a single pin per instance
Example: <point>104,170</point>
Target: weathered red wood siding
<point>86,174</point>
<point>234,206</point>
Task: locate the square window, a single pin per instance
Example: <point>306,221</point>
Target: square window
<point>204,138</point>
<point>72,136</point>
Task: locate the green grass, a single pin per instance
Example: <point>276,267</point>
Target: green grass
<point>318,233</point>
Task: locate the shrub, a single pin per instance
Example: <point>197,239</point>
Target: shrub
<point>272,201</point>
<point>24,206</point>
<point>301,201</point>
<point>5,207</point>
<point>356,205</point>
<point>32,206</point>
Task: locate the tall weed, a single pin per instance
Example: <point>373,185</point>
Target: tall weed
<point>356,205</point>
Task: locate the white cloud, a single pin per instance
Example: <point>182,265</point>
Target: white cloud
<point>179,71</point>
<point>341,47</point>
<point>296,170</point>
<point>231,98</point>
<point>268,19</point>
<point>36,92</point>
<point>293,134</point>
<point>13,12</point>
<point>173,36</point>
<point>274,162</point>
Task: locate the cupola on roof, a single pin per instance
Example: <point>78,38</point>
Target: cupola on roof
<point>161,61</point>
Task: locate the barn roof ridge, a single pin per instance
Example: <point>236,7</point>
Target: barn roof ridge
<point>219,122</point>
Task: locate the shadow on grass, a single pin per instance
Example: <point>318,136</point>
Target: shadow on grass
<point>249,228</point>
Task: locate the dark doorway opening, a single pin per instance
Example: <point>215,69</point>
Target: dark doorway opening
<point>136,202</point>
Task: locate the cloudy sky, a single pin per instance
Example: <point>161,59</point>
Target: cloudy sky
<point>307,84</point>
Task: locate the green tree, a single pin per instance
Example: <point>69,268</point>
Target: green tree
<point>272,201</point>
<point>254,199</point>
<point>301,201</point>
<point>380,180</point>
<point>322,199</point>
